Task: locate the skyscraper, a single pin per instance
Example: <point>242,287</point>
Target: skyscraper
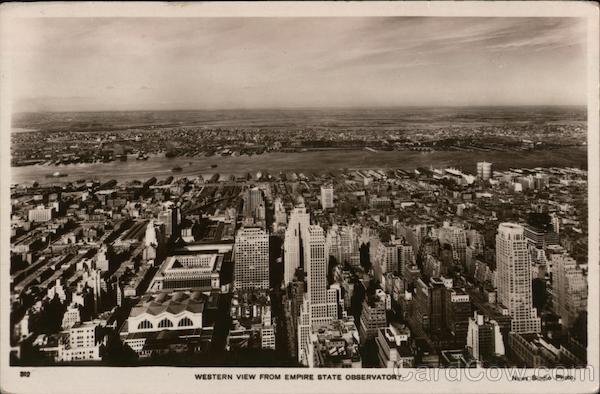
<point>254,206</point>
<point>333,244</point>
<point>316,271</point>
<point>327,196</point>
<point>320,305</point>
<point>484,338</point>
<point>251,256</point>
<point>292,249</point>
<point>279,215</point>
<point>457,238</point>
<point>570,292</point>
<point>484,170</point>
<point>514,278</point>
<point>406,258</point>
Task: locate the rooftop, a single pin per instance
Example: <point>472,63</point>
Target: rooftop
<point>173,303</point>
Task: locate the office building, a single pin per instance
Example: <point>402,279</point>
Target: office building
<point>570,293</point>
<point>251,259</point>
<point>484,170</point>
<point>456,237</point>
<point>327,197</point>
<point>539,237</point>
<point>320,304</point>
<point>373,315</point>
<point>457,310</point>
<point>292,245</point>
<point>514,278</point>
<point>333,244</point>
<point>532,351</point>
<point>83,343</point>
<point>40,214</point>
<point>484,339</point>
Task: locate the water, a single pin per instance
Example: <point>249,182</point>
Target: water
<point>312,161</point>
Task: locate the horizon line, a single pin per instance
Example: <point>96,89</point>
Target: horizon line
<point>288,108</point>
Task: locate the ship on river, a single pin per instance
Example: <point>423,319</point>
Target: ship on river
<point>56,174</point>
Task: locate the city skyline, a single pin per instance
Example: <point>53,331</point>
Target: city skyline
<point>229,63</point>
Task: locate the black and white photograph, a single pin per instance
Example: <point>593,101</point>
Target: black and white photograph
<point>304,197</point>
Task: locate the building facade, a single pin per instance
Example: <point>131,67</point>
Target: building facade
<point>514,278</point>
<point>251,259</point>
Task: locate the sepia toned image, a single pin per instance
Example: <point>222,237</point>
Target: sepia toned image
<point>284,195</point>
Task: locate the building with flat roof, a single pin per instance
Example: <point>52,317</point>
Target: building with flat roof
<point>373,315</point>
<point>327,196</point>
<point>334,345</point>
<point>484,338</point>
<point>484,170</point>
<point>84,342</point>
<point>531,350</point>
<point>251,259</point>
<point>457,310</point>
<point>393,347</point>
<point>189,272</point>
<point>570,292</point>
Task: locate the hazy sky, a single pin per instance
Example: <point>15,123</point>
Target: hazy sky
<point>208,63</point>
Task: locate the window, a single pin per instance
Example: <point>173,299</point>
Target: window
<point>145,325</point>
<point>185,322</point>
<point>165,323</point>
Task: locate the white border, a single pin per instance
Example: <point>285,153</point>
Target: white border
<point>160,379</point>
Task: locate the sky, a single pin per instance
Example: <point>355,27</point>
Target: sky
<point>98,64</point>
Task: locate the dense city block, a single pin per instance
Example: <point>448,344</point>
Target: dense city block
<point>348,268</point>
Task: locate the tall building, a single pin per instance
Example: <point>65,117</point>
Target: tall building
<point>514,278</point>
<point>102,262</point>
<point>333,244</point>
<point>280,217</point>
<point>316,274</point>
<point>484,170</point>
<point>327,196</point>
<point>457,310</point>
<point>320,304</point>
<point>570,291</point>
<point>484,338</point>
<point>384,256</point>
<point>349,245</point>
<point>251,259</point>
<point>292,245</point>
<point>539,237</point>
<point>254,198</point>
<point>373,315</point>
<point>406,258</point>
<point>171,218</point>
<point>457,238</point>
<point>254,207</point>
<point>429,304</point>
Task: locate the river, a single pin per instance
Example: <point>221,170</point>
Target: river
<point>311,161</point>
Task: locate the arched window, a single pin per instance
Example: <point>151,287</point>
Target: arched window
<point>145,325</point>
<point>185,322</point>
<point>165,323</point>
